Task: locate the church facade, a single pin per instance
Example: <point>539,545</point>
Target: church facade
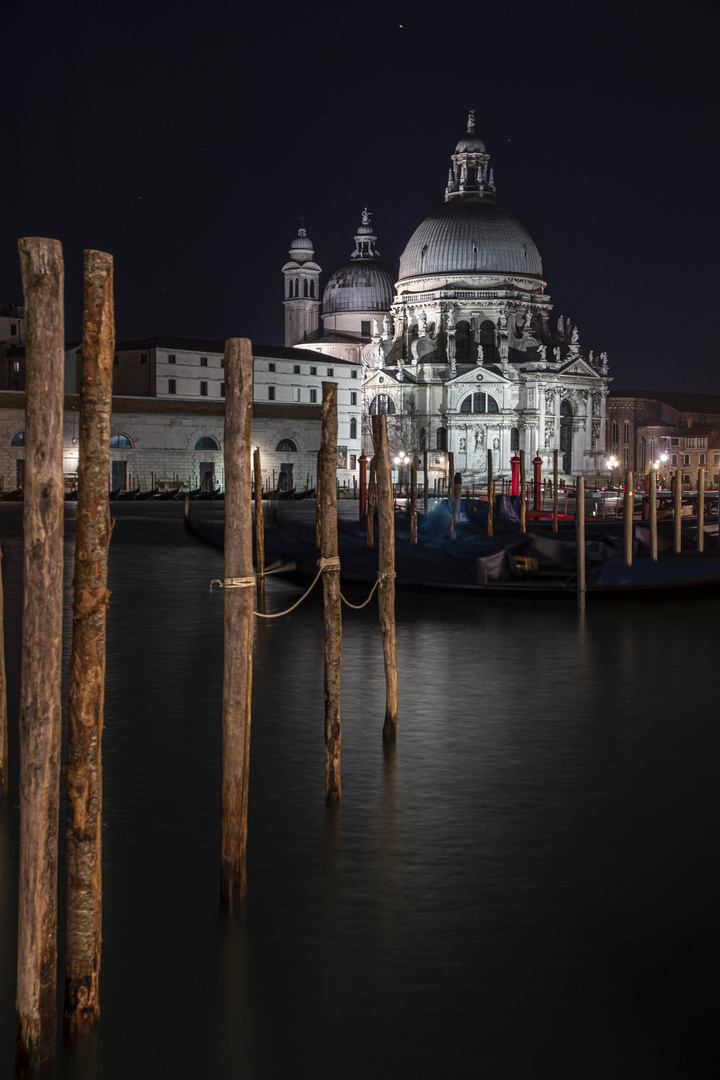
<point>458,347</point>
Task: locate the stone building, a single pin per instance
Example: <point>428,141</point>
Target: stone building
<point>460,349</point>
<point>168,414</point>
<point>644,425</point>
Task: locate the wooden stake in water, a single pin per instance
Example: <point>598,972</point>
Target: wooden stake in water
<point>677,512</point>
<point>701,510</point>
<point>491,494</point>
<point>580,541</point>
<point>370,530</point>
<point>331,592</point>
<point>239,625</point>
<point>41,264</point>
<point>652,507</point>
<point>451,494</point>
<point>628,511</point>
<point>386,571</point>
<point>318,501</point>
<point>413,501</point>
<point>86,676</point>
<point>259,528</point>
<point>425,482</point>
<point>555,491</point>
<point>523,491</point>
<point>3,699</point>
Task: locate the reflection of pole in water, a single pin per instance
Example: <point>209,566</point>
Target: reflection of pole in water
<point>386,572</point>
<point>3,700</point>
<point>331,590</point>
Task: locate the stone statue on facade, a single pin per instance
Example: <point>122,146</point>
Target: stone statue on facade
<point>478,439</point>
<point>451,316</point>
<point>561,325</point>
<point>575,336</point>
<point>462,444</point>
<point>542,353</point>
<point>422,322</point>
<point>387,326</point>
<point>375,328</point>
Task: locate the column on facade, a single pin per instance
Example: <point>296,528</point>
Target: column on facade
<point>541,420</point>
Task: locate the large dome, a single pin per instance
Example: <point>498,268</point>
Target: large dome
<point>360,285</point>
<point>470,235</point>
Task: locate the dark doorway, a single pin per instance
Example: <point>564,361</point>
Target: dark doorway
<point>118,475</point>
<point>20,474</point>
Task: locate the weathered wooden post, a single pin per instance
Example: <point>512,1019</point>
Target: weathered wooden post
<point>3,699</point>
<point>425,482</point>
<point>239,581</point>
<point>491,494</point>
<point>580,541</point>
<point>457,500</point>
<point>677,512</point>
<point>652,508</point>
<point>386,572</point>
<point>318,501</point>
<point>41,264</point>
<point>362,501</point>
<point>451,493</point>
<point>259,528</point>
<point>555,491</point>
<point>701,510</point>
<point>370,531</point>
<point>331,592</point>
<point>86,676</point>
<point>523,491</point>
<point>628,510</point>
<point>413,500</point>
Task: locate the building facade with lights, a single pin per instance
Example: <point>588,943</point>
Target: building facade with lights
<point>459,348</point>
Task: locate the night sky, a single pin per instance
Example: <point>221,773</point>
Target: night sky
<point>187,139</point>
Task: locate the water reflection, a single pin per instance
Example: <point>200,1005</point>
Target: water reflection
<point>516,887</point>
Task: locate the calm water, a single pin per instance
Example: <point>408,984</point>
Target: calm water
<point>527,886</point>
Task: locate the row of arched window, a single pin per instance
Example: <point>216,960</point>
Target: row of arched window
<point>308,288</point>
<point>121,441</point>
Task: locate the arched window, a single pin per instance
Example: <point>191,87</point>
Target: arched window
<point>464,344</point>
<point>383,403</point>
<point>297,285</point>
<point>287,446</point>
<point>626,432</point>
<point>206,442</point>
<point>353,428</point>
<point>642,454</point>
<point>479,403</point>
<point>614,435</point>
<point>18,439</point>
<point>120,442</point>
<point>305,287</point>
<point>289,288</point>
<point>441,439</point>
<point>514,439</point>
<point>487,340</point>
<point>312,290</point>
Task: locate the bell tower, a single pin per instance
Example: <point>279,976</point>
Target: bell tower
<point>302,290</point>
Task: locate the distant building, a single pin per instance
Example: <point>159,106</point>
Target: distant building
<point>168,414</point>
<point>12,338</point>
<point>645,424</point>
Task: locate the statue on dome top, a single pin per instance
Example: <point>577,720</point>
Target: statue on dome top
<point>471,122</point>
<point>366,215</point>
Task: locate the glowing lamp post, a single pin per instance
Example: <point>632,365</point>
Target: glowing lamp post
<point>612,464</point>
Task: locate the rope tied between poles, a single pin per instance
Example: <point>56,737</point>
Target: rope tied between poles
<point>233,582</point>
<point>381,577</point>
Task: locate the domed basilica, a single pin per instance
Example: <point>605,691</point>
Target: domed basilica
<point>459,347</point>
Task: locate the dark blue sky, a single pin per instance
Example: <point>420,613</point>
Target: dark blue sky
<point>187,139</point>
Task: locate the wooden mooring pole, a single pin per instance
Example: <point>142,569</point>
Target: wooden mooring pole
<point>425,483</point>
<point>413,500</point>
<point>86,676</point>
<point>370,530</point>
<point>259,528</point>
<point>239,626</point>
<point>652,510</point>
<point>386,572</point>
<point>580,541</point>
<point>491,494</point>
<point>701,510</point>
<point>451,494</point>
<point>3,699</point>
<point>331,592</point>
<point>555,491</point>
<point>628,510</point>
<point>318,501</point>
<point>42,269</point>
<point>677,512</point>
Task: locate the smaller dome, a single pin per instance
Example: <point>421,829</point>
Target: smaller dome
<point>301,243</point>
<point>361,285</point>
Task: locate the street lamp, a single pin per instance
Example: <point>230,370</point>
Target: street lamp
<point>664,458</point>
<point>612,464</point>
<point>400,462</point>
